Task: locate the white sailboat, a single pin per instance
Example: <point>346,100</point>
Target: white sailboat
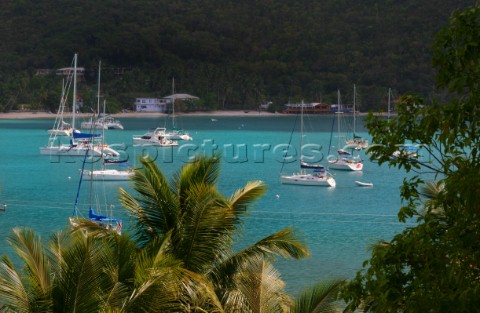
<point>79,143</point>
<point>103,121</point>
<point>109,122</point>
<point>105,219</point>
<point>357,142</point>
<point>176,133</point>
<point>104,174</point>
<point>319,175</point>
<point>344,160</point>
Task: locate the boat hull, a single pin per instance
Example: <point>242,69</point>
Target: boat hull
<point>308,180</point>
<point>178,137</point>
<point>107,175</point>
<point>346,166</point>
<point>79,150</point>
<point>363,184</point>
<point>152,142</point>
<point>69,150</point>
<point>60,132</point>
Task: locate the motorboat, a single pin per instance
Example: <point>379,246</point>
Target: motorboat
<point>156,137</point>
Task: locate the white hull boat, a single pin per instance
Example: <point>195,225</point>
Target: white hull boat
<point>107,175</point>
<point>307,179</point>
<point>177,135</point>
<point>93,124</point>
<point>154,138</point>
<point>106,123</point>
<point>345,165</point>
<point>345,161</point>
<point>363,184</point>
<point>356,142</point>
<point>111,123</point>
<point>318,176</point>
<point>79,149</point>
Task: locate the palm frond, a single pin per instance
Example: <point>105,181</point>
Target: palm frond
<point>204,170</point>
<point>57,241</point>
<point>283,243</point>
<point>29,248</point>
<point>13,293</point>
<point>432,192</point>
<point>257,288</point>
<point>206,228</point>
<point>79,285</point>
<point>162,284</point>
<point>321,298</point>
<point>155,208</point>
<point>252,191</point>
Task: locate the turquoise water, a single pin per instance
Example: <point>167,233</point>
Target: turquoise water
<point>338,224</point>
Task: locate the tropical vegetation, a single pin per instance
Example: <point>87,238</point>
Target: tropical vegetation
<point>179,258</point>
<point>231,54</point>
<point>433,266</point>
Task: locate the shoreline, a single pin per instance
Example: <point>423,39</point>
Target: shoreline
<point>27,115</point>
<point>68,115</point>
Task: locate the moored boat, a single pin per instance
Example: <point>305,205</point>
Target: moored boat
<point>156,137</point>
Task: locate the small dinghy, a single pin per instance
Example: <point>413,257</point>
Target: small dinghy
<point>363,184</point>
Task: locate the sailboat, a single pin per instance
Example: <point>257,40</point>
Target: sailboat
<point>176,133</point>
<point>79,142</point>
<point>357,142</point>
<point>104,174</point>
<point>103,121</point>
<point>319,175</point>
<point>60,127</point>
<point>101,220</point>
<point>344,160</point>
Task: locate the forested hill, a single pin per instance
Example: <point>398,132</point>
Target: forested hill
<point>232,54</point>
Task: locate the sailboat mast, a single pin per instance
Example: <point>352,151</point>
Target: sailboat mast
<point>173,102</point>
<point>98,89</point>
<point>338,120</point>
<point>301,132</point>
<point>103,137</point>
<point>74,90</point>
<point>354,100</point>
<point>62,103</point>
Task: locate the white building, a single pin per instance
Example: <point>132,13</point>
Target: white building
<point>151,104</point>
<point>159,104</point>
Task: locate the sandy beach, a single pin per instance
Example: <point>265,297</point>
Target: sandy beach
<point>39,115</point>
<point>26,115</point>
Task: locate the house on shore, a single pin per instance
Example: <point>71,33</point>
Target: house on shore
<point>160,104</point>
<point>151,105</point>
<point>308,108</point>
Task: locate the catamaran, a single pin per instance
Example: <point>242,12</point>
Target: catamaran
<point>79,143</point>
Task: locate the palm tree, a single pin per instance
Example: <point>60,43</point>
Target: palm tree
<point>92,271</point>
<point>196,224</point>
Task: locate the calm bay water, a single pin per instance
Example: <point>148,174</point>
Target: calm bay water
<point>338,224</point>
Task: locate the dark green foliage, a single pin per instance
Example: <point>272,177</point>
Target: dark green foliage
<point>433,266</point>
<point>243,52</point>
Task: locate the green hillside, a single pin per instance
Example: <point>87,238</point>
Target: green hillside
<point>231,54</point>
